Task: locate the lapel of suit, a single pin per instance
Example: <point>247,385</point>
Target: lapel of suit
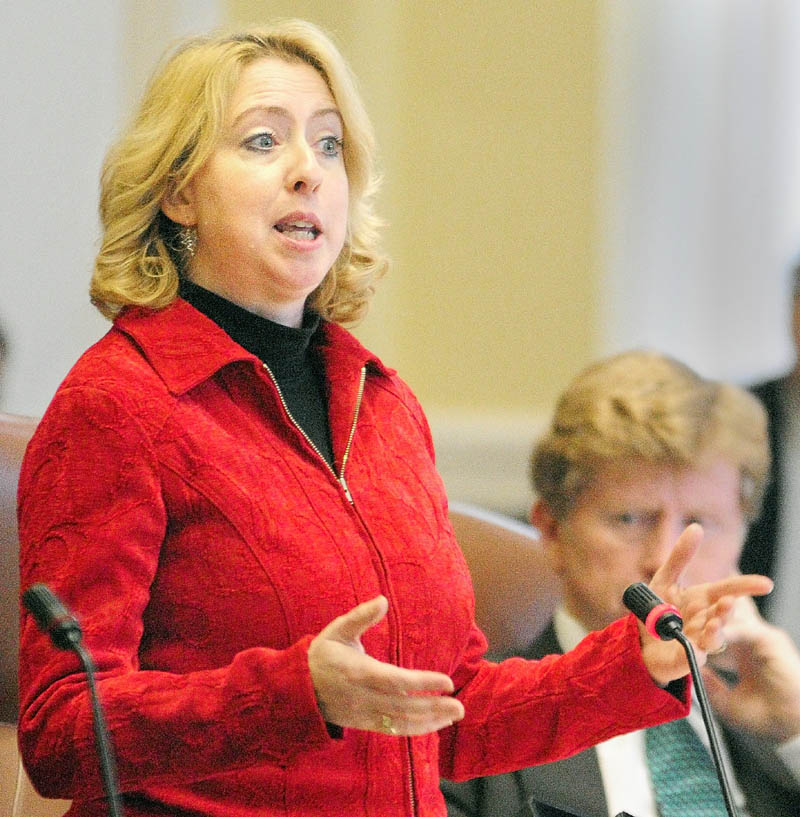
<point>768,786</point>
<point>574,784</point>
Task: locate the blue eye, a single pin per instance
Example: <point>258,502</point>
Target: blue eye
<point>331,146</point>
<point>261,141</point>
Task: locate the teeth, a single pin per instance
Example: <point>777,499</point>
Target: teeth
<point>298,230</point>
<point>298,234</point>
<point>295,225</point>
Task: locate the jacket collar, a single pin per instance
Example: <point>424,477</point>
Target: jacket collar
<point>185,348</point>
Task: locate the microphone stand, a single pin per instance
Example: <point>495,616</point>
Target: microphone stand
<point>664,621</point>
<point>54,619</point>
<point>104,750</point>
<point>705,709</point>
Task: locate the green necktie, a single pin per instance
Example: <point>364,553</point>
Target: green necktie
<point>682,771</point>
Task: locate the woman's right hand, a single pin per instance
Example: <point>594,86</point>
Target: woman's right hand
<point>357,691</point>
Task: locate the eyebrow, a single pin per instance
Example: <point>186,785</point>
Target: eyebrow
<point>277,110</point>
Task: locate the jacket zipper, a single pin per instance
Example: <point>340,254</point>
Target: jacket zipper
<point>345,456</point>
<point>411,779</point>
<point>338,477</point>
<point>341,480</point>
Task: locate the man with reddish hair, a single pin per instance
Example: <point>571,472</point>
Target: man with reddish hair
<point>640,447</point>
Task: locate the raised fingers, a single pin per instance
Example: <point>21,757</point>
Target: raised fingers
<point>747,585</point>
<point>681,554</point>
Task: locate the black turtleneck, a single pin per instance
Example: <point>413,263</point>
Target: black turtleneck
<point>291,355</point>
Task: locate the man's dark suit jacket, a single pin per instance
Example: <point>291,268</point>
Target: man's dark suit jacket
<point>574,786</point>
<point>759,554</point>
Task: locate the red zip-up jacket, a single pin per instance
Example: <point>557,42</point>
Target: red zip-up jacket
<point>170,500</point>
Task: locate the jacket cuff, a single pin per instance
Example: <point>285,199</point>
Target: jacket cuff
<point>280,695</point>
<point>679,691</point>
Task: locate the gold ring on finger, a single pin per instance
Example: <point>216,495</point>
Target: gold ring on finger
<point>387,725</point>
<point>719,650</point>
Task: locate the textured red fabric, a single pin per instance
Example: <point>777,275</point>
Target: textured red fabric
<point>169,500</point>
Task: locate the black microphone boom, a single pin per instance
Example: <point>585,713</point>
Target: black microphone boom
<point>53,618</point>
<point>664,621</point>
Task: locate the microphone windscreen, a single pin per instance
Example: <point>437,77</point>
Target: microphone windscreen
<point>52,616</point>
<point>662,620</point>
<point>640,600</point>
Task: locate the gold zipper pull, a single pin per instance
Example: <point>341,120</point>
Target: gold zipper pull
<point>343,483</point>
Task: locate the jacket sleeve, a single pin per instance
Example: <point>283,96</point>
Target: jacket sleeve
<point>521,712</point>
<point>92,522</point>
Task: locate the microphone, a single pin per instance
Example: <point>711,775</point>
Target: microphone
<point>661,619</point>
<point>53,618</point>
<point>664,621</point>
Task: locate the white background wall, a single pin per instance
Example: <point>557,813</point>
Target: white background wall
<point>59,80</point>
<point>702,181</point>
<point>68,71</point>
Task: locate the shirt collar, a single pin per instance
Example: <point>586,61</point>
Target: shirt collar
<point>185,347</point>
<point>285,349</point>
<point>569,631</point>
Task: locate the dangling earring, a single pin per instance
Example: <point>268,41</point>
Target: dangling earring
<point>187,241</point>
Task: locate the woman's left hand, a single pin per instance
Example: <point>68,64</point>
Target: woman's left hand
<point>705,608</point>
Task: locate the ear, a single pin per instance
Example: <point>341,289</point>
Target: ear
<point>179,205</point>
<point>544,520</point>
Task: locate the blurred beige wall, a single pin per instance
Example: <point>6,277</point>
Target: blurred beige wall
<point>486,115</point>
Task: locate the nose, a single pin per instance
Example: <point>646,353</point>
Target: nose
<point>304,174</point>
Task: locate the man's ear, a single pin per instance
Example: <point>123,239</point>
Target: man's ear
<point>544,520</point>
<point>178,205</point>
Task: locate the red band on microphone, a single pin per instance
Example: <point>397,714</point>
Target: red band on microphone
<point>655,614</point>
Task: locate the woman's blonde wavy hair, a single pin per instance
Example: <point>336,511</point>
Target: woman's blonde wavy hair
<point>643,405</point>
<point>175,131</point>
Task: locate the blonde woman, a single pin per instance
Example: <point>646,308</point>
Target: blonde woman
<point>240,502</point>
